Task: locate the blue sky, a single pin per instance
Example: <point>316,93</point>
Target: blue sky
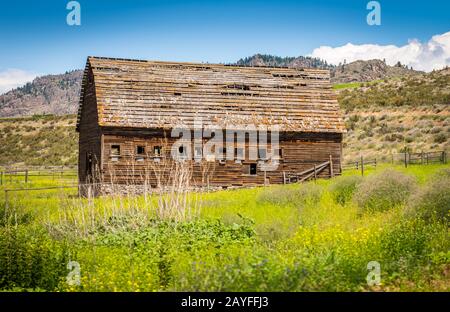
<point>35,39</point>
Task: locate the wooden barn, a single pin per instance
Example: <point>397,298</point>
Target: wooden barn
<point>128,109</point>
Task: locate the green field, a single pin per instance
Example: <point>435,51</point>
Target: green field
<point>317,236</point>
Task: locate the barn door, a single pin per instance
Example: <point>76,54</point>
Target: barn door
<point>89,167</point>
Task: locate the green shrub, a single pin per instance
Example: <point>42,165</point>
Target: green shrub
<point>384,190</point>
<point>435,130</point>
<point>343,188</point>
<point>440,138</point>
<point>287,195</point>
<point>408,243</point>
<point>29,259</point>
<point>433,200</point>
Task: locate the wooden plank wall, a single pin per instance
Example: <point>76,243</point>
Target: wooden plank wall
<point>89,131</point>
<point>300,151</point>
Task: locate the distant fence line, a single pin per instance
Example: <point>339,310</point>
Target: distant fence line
<point>10,172</point>
<point>37,168</point>
<point>7,172</point>
<point>406,158</point>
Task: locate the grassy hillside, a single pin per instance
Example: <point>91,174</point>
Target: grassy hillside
<point>411,91</point>
<point>311,237</point>
<point>38,140</point>
<point>378,132</point>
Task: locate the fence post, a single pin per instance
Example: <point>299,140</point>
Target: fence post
<point>331,167</point>
<point>375,163</point>
<point>428,157</point>
<point>26,175</point>
<point>406,163</point>
<point>445,157</point>
<point>284,177</point>
<point>421,157</point>
<point>315,173</point>
<point>1,178</point>
<point>362,165</point>
<point>6,200</point>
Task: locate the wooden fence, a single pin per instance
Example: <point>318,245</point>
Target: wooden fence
<point>408,158</point>
<point>310,173</point>
<point>8,174</point>
<point>420,158</point>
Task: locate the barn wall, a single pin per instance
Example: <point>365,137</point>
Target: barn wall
<point>89,132</point>
<point>300,151</point>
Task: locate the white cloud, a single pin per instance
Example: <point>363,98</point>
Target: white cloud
<point>13,78</point>
<point>434,54</point>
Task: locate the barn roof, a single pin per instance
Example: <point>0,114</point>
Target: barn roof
<point>154,94</point>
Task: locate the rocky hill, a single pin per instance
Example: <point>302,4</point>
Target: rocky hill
<point>51,94</point>
<point>409,90</point>
<point>294,62</point>
<point>358,71</point>
<point>363,71</point>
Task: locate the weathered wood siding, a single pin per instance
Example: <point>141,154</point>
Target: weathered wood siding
<point>300,151</point>
<point>89,131</point>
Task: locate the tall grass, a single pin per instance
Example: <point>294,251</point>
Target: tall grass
<point>384,190</point>
<point>299,237</point>
<point>433,200</point>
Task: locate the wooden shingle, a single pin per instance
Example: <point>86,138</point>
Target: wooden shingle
<point>153,94</point>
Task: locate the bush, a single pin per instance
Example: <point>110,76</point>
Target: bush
<point>343,188</point>
<point>29,259</point>
<point>408,243</point>
<point>286,195</point>
<point>440,138</point>
<point>384,190</point>
<point>435,130</point>
<point>434,199</point>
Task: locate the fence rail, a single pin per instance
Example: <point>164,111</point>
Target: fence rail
<point>27,173</point>
<point>407,158</point>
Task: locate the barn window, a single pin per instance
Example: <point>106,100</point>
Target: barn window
<point>89,164</point>
<point>182,151</point>
<point>262,154</point>
<point>252,169</point>
<point>140,152</point>
<point>239,152</point>
<point>198,152</point>
<point>115,152</point>
<point>157,150</point>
